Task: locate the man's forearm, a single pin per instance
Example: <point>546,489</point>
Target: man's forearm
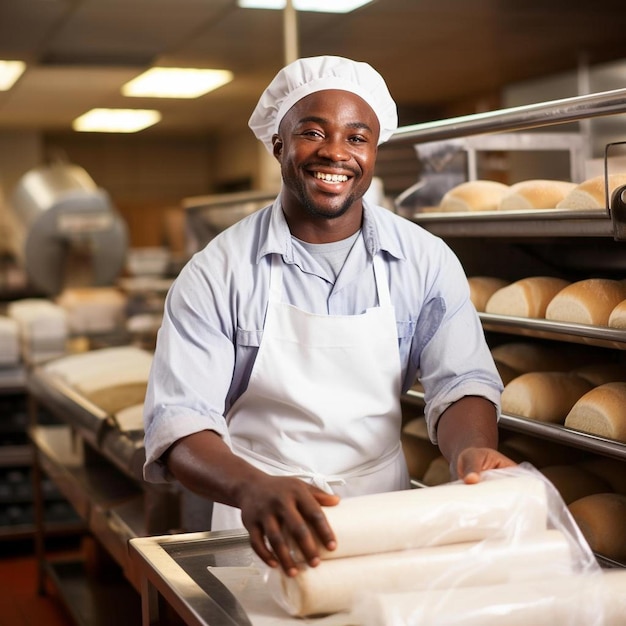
<point>471,422</point>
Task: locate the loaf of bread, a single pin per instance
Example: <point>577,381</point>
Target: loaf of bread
<point>574,482</point>
<point>438,472</point>
<point>601,411</point>
<point>544,396</point>
<point>537,452</point>
<point>589,301</point>
<point>417,447</point>
<point>482,288</point>
<point>507,373</point>
<point>600,373</point>
<point>601,518</point>
<point>474,195</point>
<point>617,319</point>
<point>530,357</point>
<point>527,297</point>
<point>529,195</point>
<point>590,194</point>
<point>611,470</point>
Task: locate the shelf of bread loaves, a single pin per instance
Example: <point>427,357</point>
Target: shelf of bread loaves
<point>536,207</point>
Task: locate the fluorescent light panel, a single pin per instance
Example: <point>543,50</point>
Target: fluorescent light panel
<point>176,82</point>
<point>116,120</point>
<point>319,6</point>
<point>10,71</point>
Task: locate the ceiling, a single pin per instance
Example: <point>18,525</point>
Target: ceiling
<point>432,52</point>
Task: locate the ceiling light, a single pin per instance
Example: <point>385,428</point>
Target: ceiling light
<point>10,71</point>
<point>175,82</point>
<point>116,120</point>
<point>320,6</point>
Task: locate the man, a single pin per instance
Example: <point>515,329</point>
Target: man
<point>288,341</point>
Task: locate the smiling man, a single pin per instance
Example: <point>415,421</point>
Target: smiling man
<point>288,341</point>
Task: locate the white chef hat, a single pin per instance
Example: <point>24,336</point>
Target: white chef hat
<point>306,76</point>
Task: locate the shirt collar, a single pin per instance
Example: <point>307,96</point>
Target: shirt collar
<point>278,236</point>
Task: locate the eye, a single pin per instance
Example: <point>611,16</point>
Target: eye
<point>312,132</point>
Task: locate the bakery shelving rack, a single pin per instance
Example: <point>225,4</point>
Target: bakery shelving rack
<point>606,227</point>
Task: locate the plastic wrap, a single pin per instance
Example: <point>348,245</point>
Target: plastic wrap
<point>575,600</point>
<point>494,546</point>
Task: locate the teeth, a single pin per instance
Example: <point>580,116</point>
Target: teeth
<point>331,178</point>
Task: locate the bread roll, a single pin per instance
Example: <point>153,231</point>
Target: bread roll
<point>543,396</point>
<point>529,357</point>
<point>601,411</point>
<point>507,373</point>
<point>600,373</point>
<point>474,195</point>
<point>601,518</point>
<point>613,471</point>
<point>617,319</point>
<point>527,297</point>
<point>482,288</point>
<point>419,452</point>
<point>589,301</point>
<point>590,194</point>
<point>538,452</point>
<point>535,194</point>
<point>574,482</point>
<point>438,472</point>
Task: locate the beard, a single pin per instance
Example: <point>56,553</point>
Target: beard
<point>318,210</point>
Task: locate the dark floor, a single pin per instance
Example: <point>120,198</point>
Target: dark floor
<point>20,602</point>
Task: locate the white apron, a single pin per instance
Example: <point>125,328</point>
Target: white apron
<point>323,400</point>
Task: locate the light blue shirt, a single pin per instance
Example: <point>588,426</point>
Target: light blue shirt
<point>214,314</point>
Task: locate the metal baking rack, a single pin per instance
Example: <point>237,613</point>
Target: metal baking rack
<point>539,223</point>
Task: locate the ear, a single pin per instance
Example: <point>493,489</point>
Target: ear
<point>277,146</point>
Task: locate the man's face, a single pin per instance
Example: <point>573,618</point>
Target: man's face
<point>327,146</point>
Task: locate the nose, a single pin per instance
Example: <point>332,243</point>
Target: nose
<point>334,149</point>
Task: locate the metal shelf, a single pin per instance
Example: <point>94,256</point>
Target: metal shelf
<point>552,432</point>
<point>560,331</point>
<point>517,118</point>
<point>519,224</point>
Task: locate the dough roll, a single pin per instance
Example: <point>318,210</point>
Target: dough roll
<point>577,600</point>
<point>445,514</point>
<point>333,585</point>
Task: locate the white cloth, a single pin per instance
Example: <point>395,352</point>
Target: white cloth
<point>323,399</point>
<point>306,76</point>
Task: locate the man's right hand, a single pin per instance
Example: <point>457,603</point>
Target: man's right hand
<point>284,518</point>
<point>283,515</point>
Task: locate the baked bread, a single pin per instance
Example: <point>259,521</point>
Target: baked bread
<point>617,319</point>
<point>613,471</point>
<point>438,472</point>
<point>418,450</point>
<point>601,518</point>
<point>544,396</point>
<point>609,469</point>
<point>527,297</point>
<point>574,482</point>
<point>473,195</point>
<point>590,194</point>
<point>537,452</point>
<point>600,373</point>
<point>482,288</point>
<point>529,195</point>
<point>601,411</point>
<point>589,301</point>
<point>530,357</point>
